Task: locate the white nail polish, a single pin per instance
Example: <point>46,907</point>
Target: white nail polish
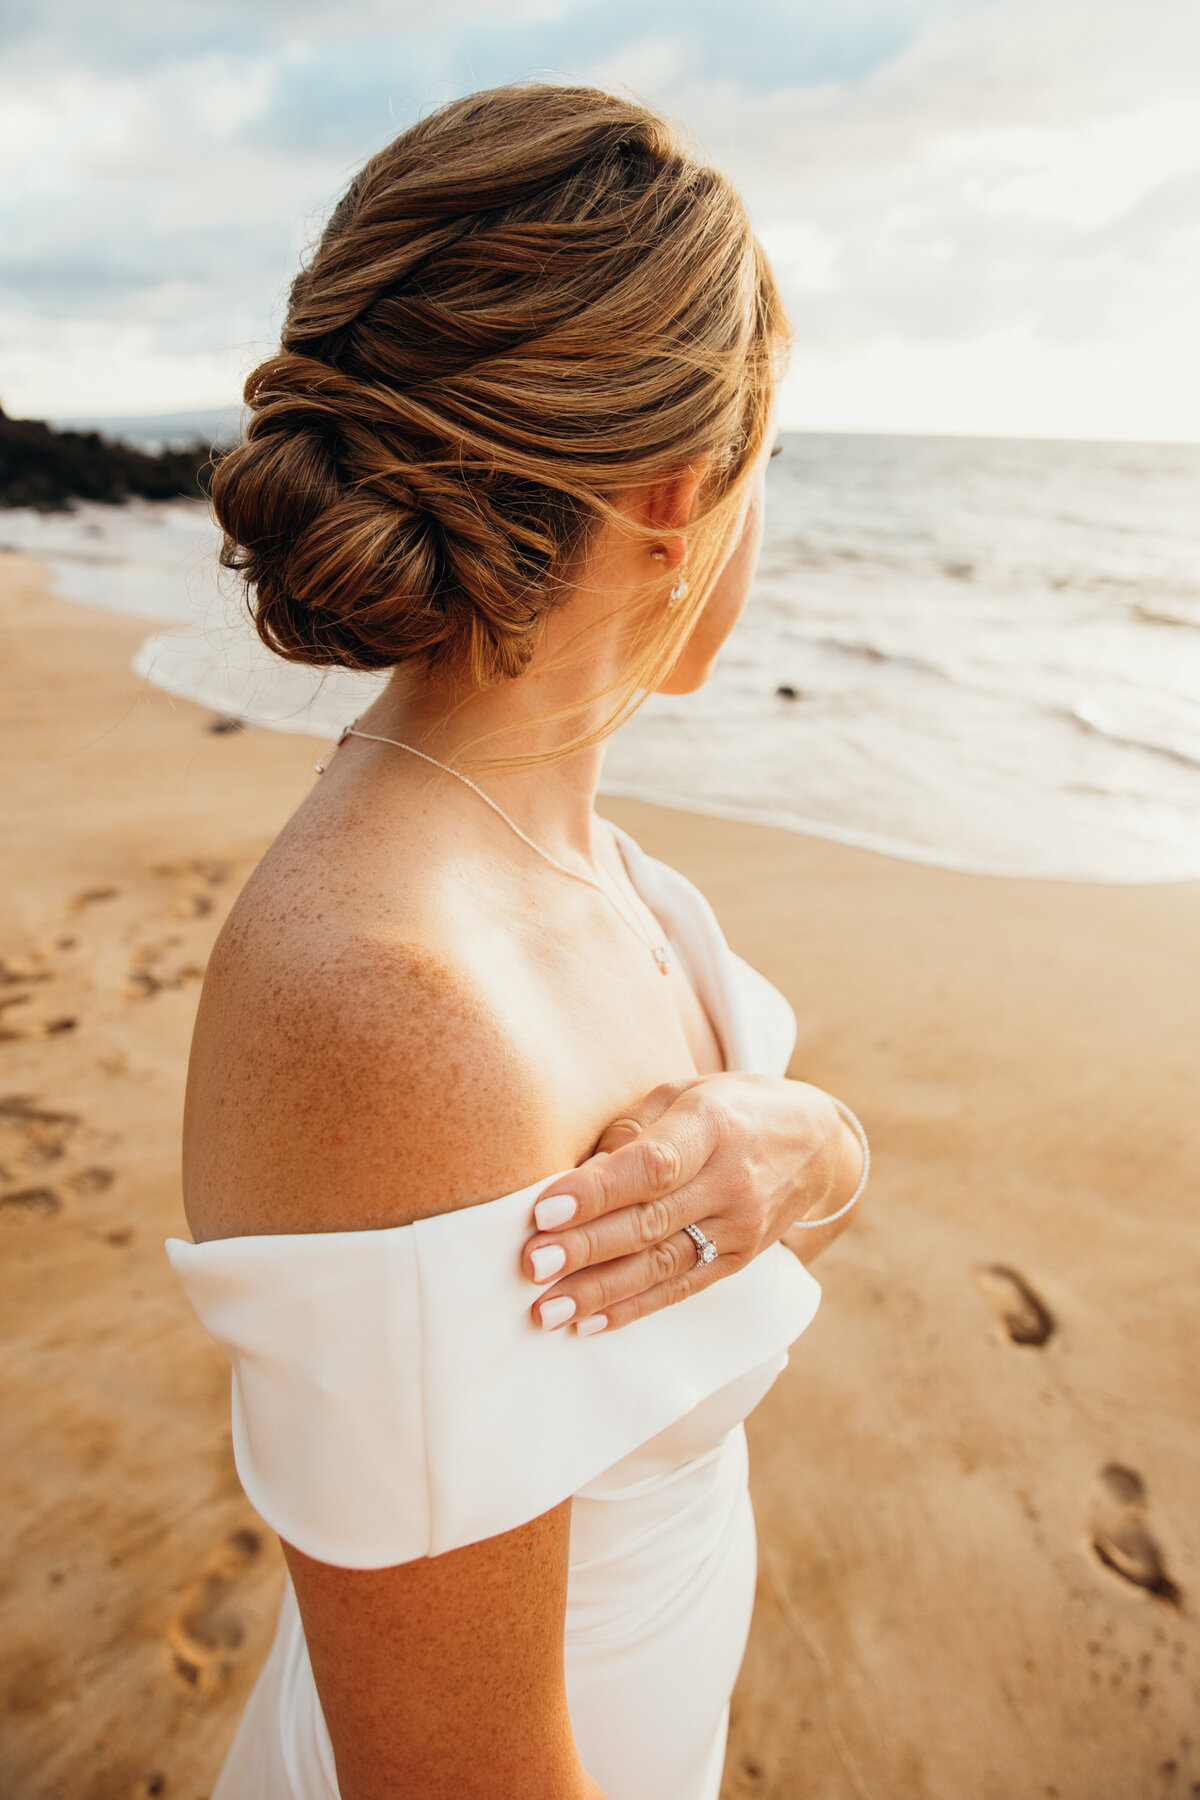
<point>553,1210</point>
<point>547,1260</point>
<point>590,1326</point>
<point>556,1312</point>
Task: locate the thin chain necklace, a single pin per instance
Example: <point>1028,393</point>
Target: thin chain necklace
<point>658,951</point>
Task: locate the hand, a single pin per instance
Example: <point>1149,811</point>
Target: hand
<point>742,1156</point>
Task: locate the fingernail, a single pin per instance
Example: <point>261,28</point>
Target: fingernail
<point>547,1260</point>
<point>552,1210</point>
<point>593,1323</point>
<point>556,1312</point>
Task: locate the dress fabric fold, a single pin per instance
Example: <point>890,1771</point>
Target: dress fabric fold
<point>392,1399</point>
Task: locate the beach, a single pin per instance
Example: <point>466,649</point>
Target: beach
<point>983,655</point>
<point>978,1481</point>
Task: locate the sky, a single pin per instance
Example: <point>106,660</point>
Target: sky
<point>985,214</point>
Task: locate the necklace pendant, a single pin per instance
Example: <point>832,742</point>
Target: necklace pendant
<point>659,953</point>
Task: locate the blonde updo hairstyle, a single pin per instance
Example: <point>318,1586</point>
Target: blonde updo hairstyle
<point>530,303</point>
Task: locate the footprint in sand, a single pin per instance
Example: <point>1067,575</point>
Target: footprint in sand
<point>30,1203</point>
<point>1120,1537</point>
<point>9,1031</point>
<point>171,961</point>
<point>49,1028</point>
<point>11,977</point>
<point>92,1180</point>
<point>30,1134</point>
<point>206,1632</point>
<point>191,906</point>
<point>39,1159</point>
<point>91,897</point>
<point>208,869</point>
<point>16,990</point>
<point>1025,1317</point>
<point>157,967</point>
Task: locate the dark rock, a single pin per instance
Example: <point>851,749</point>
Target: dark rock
<point>49,469</point>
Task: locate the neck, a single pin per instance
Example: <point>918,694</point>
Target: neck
<point>477,731</point>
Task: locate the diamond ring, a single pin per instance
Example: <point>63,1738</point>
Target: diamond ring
<point>706,1250</point>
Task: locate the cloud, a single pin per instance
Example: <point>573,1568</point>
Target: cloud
<point>1016,191</point>
<point>948,187</point>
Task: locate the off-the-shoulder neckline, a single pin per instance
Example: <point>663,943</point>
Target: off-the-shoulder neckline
<point>378,1233</point>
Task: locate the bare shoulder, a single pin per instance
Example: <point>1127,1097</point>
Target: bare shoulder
<point>350,1071</point>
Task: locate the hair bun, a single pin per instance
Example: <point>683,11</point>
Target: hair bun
<point>530,301</point>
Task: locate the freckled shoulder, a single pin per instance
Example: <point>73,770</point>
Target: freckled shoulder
<point>346,1077</point>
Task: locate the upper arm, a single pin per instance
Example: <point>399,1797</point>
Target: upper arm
<point>359,1084</point>
<point>444,1677</point>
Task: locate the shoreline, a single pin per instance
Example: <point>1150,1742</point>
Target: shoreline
<point>930,1480</point>
<point>922,692</point>
<point>889,849</point>
<point>219,695</point>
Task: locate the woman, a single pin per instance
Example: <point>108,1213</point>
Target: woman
<point>476,1084</point>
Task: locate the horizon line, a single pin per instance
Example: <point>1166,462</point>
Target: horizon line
<point>105,422</point>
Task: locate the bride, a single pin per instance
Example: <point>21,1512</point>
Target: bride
<point>500,1196</point>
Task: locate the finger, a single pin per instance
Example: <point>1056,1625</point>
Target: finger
<point>623,1130</point>
<point>665,1156</point>
<point>617,1135</point>
<point>658,1268</point>
<point>552,1256</point>
<point>655,1299</point>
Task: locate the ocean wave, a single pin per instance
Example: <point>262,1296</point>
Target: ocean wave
<point>1084,720</point>
<point>865,651</point>
<point>988,645</point>
<point>1041,864</point>
<point>1157,615</point>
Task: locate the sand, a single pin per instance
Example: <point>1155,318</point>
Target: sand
<point>978,1482</point>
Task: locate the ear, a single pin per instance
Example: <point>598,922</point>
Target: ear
<point>666,506</point>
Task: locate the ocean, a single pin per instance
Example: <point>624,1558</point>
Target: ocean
<point>981,654</point>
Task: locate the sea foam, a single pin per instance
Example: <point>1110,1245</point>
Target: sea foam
<point>992,651</point>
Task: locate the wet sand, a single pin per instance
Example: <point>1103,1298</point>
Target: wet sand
<point>978,1482</point>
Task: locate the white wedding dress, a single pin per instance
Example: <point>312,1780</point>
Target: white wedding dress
<point>393,1399</point>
